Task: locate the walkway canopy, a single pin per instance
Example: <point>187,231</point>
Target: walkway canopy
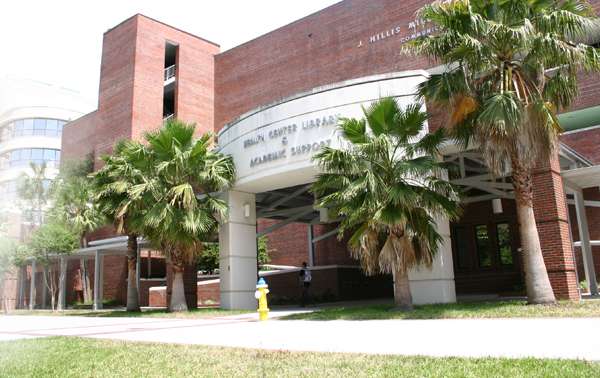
<point>575,181</point>
<point>97,250</point>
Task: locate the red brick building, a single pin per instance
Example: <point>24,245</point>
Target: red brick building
<point>348,52</point>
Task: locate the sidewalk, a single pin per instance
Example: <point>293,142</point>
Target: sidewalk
<point>541,338</point>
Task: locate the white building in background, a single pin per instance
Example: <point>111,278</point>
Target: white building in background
<point>32,116</point>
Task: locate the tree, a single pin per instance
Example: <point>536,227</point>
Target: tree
<point>122,170</point>
<point>512,65</point>
<point>176,219</point>
<point>208,261</point>
<point>7,251</point>
<point>73,205</point>
<point>387,189</point>
<point>33,192</point>
<point>49,242</point>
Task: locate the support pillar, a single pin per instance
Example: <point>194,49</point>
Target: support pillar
<point>45,288</point>
<point>98,281</point>
<point>32,286</point>
<point>238,252</point>
<point>62,285</point>
<point>586,246</point>
<point>436,285</point>
<point>311,246</point>
<point>138,273</point>
<point>21,299</point>
<point>549,206</point>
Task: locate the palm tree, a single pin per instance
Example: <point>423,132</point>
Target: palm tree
<point>387,189</point>
<point>176,219</point>
<point>73,204</point>
<point>112,183</point>
<point>511,66</point>
<point>33,191</point>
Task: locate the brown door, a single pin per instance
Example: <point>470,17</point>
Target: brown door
<point>485,256</point>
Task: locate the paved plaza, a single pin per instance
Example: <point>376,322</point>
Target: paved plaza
<point>451,337</point>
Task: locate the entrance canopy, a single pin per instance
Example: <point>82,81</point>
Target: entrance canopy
<point>586,177</point>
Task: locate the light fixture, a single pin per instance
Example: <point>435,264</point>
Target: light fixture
<point>247,210</point>
<point>323,214</point>
<point>497,206</point>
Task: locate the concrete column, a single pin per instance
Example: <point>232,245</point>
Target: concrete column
<point>237,246</point>
<point>436,285</point>
<point>62,285</point>
<point>586,246</point>
<point>32,286</point>
<point>311,246</point>
<point>98,281</point>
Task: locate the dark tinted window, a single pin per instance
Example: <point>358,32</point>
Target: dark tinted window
<point>482,239</point>
<point>504,243</point>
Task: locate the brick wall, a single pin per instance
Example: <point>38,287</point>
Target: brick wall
<point>323,49</point>
<point>313,51</point>
<point>144,290</point>
<point>553,227</point>
<point>585,142</point>
<point>209,293</point>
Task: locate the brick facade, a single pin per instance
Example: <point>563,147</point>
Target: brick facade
<point>549,203</point>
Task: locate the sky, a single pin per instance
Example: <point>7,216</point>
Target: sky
<point>60,41</point>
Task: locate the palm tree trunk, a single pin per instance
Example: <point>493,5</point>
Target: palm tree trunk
<point>178,302</point>
<point>85,277</point>
<point>402,295</point>
<point>539,290</point>
<point>133,303</point>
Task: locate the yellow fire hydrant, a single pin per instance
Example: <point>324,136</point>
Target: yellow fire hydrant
<point>262,289</point>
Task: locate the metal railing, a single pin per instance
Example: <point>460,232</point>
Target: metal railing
<point>167,118</point>
<point>170,72</point>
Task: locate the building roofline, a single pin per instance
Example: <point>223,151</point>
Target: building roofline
<point>284,26</point>
<point>162,23</point>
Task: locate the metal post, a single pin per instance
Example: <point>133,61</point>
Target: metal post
<point>138,269</point>
<point>62,285</point>
<point>149,272</point>
<point>32,286</point>
<point>311,246</point>
<point>45,288</point>
<point>98,281</point>
<point>21,299</point>
<point>586,246</point>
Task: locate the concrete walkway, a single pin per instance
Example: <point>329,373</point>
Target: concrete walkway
<point>542,338</point>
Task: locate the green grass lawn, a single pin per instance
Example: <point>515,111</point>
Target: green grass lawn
<point>192,314</point>
<point>73,357</point>
<point>508,309</point>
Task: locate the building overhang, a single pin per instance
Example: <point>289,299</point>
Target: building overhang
<point>581,178</point>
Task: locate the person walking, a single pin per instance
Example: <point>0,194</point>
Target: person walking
<point>305,280</point>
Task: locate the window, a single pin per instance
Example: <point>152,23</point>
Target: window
<point>27,127</point>
<point>25,156</point>
<point>504,243</point>
<point>462,247</point>
<point>36,126</point>
<point>52,127</point>
<point>39,127</point>
<point>482,240</point>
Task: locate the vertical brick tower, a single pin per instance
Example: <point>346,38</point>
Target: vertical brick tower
<point>150,72</point>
